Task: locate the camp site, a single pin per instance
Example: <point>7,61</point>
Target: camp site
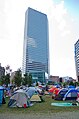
<point>39,100</point>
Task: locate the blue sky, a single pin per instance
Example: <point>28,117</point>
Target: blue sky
<point>63,20</point>
<point>71,5</point>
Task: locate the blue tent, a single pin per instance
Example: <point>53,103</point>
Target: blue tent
<point>61,94</point>
<point>30,91</point>
<point>71,94</point>
<point>1,87</point>
<point>1,94</point>
<point>71,86</point>
<point>67,94</point>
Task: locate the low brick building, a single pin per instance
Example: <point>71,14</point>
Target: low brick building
<point>54,78</point>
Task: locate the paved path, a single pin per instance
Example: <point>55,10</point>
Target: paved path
<point>65,115</point>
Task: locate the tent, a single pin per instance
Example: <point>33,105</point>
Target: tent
<point>51,90</point>
<point>70,86</point>
<point>35,98</point>
<point>72,94</point>
<point>32,90</point>
<point>2,99</point>
<point>77,98</point>
<point>77,88</point>
<point>34,93</point>
<point>19,99</point>
<point>67,94</point>
<point>56,91</point>
<point>57,85</point>
<point>60,94</point>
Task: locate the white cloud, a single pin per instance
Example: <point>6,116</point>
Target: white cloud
<point>59,11</point>
<point>63,32</point>
<point>62,42</point>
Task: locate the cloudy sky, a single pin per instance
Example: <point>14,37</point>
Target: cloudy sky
<point>63,19</point>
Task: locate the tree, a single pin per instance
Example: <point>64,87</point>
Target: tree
<point>18,78</point>
<point>2,80</point>
<point>60,79</point>
<point>71,83</point>
<point>77,83</point>
<point>27,80</point>
<point>64,84</point>
<point>7,79</point>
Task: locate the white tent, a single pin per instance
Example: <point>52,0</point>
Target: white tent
<point>18,99</point>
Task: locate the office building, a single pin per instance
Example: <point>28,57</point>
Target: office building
<point>77,58</point>
<point>2,71</point>
<point>36,45</point>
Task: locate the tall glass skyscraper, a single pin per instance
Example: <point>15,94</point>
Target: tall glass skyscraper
<point>36,45</point>
<point>77,58</point>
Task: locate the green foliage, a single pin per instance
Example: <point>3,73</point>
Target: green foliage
<point>5,80</point>
<point>64,84</point>
<point>30,80</point>
<point>51,82</point>
<point>71,83</point>
<point>37,84</point>
<point>27,80</point>
<point>2,80</point>
<point>18,78</point>
<point>77,83</point>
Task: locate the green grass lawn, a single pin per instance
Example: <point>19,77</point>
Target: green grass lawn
<point>43,107</point>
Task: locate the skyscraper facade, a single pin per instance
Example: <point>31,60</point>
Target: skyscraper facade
<point>77,58</point>
<point>2,71</point>
<point>36,45</point>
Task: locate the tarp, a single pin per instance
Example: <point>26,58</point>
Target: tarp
<point>64,104</point>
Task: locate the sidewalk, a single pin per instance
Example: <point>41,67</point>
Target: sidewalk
<point>65,115</point>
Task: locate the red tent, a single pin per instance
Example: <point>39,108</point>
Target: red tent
<point>56,91</point>
<point>51,90</point>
